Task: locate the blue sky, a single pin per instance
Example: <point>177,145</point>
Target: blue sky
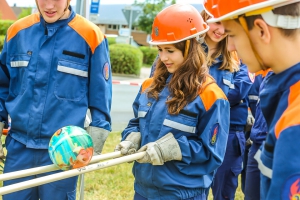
<point>31,3</point>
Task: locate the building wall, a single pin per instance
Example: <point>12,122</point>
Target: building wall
<point>139,36</point>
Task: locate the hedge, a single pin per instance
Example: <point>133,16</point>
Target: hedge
<point>125,59</point>
<point>2,38</point>
<point>4,25</point>
<point>149,53</point>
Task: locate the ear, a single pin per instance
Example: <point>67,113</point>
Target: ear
<point>263,30</point>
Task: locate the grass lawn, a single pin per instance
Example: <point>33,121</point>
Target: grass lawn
<point>116,182</point>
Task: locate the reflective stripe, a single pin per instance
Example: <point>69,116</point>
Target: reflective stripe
<point>263,169</point>
<point>253,97</point>
<point>182,127</point>
<point>19,63</point>
<point>142,114</point>
<point>72,71</point>
<point>228,83</point>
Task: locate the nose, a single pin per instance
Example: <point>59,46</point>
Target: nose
<point>49,4</point>
<point>163,57</point>
<point>221,29</point>
<point>231,46</point>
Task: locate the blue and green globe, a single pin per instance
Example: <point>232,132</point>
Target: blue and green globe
<point>71,147</point>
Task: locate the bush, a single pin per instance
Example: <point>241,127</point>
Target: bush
<point>2,37</point>
<point>149,53</point>
<point>4,25</point>
<point>125,59</point>
<point>111,40</point>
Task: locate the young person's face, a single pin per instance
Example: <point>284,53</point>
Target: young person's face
<point>170,56</point>
<point>53,10</point>
<point>239,41</point>
<point>216,32</point>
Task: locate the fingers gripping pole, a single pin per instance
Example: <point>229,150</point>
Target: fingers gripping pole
<point>70,173</point>
<point>49,168</point>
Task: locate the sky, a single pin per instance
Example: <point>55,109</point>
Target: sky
<point>31,3</point>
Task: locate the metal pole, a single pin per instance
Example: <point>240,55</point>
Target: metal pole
<point>130,25</point>
<point>69,173</point>
<point>87,9</point>
<point>49,168</point>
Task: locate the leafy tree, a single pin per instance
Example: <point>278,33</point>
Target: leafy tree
<point>24,12</point>
<point>150,9</point>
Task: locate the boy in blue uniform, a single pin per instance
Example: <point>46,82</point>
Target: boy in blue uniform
<point>48,81</point>
<point>266,35</point>
<point>258,135</point>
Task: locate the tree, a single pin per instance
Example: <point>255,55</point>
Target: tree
<point>24,12</point>
<point>150,9</point>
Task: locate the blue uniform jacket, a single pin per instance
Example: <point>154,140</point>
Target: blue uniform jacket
<point>51,74</point>
<point>238,96</point>
<point>259,129</point>
<point>201,130</point>
<point>279,159</point>
<point>253,94</point>
<point>224,78</point>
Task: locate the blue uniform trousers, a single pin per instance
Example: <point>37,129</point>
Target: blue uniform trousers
<point>19,158</point>
<point>137,196</point>
<point>226,179</point>
<point>245,160</point>
<point>252,185</point>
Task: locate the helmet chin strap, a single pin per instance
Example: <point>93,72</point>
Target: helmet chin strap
<point>243,22</point>
<point>186,49</point>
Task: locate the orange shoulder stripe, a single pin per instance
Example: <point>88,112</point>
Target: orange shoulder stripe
<point>289,116</point>
<point>22,24</point>
<point>146,84</point>
<point>89,31</point>
<point>263,72</point>
<point>211,93</point>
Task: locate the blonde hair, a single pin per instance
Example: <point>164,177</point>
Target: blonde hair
<point>230,59</point>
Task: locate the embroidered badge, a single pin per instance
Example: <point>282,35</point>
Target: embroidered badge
<point>251,76</point>
<point>291,188</point>
<point>106,71</point>
<point>214,133</point>
<point>156,31</point>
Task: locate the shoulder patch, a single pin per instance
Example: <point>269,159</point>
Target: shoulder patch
<point>22,24</point>
<point>106,71</point>
<point>88,31</point>
<point>291,188</point>
<point>214,133</point>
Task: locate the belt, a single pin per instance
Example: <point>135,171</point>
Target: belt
<point>234,127</point>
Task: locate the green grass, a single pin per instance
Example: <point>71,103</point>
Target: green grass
<point>116,182</point>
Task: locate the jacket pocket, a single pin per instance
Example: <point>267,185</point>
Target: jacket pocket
<point>18,74</point>
<point>71,80</point>
<point>180,123</point>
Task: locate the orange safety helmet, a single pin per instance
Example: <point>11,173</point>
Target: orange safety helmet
<point>177,23</point>
<point>231,9</point>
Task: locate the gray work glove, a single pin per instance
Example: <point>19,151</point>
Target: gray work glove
<point>160,151</point>
<point>99,136</point>
<point>250,122</point>
<point>1,148</point>
<point>130,145</point>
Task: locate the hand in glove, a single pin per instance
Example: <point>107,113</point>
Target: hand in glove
<point>163,150</point>
<point>130,145</point>
<point>99,136</point>
<point>1,148</point>
<point>250,121</point>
